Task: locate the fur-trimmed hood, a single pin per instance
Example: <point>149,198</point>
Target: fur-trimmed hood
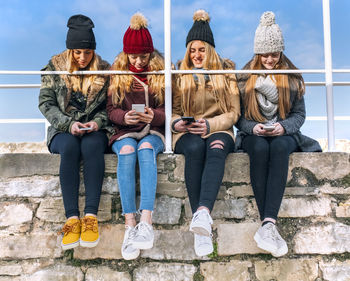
<point>59,62</point>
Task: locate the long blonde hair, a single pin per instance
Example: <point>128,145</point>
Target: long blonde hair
<point>81,83</point>
<point>187,86</point>
<point>121,84</point>
<point>284,83</point>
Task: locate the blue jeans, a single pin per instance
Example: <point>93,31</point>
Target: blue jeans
<point>147,158</point>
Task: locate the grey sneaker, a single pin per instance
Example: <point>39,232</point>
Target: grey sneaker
<point>203,245</point>
<point>268,239</point>
<point>128,251</point>
<point>144,236</point>
<point>201,223</point>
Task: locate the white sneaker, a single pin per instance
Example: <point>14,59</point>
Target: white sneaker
<point>144,236</point>
<point>128,251</point>
<point>203,245</point>
<point>201,223</point>
<point>268,239</point>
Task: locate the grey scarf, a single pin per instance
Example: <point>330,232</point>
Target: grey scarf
<point>267,96</point>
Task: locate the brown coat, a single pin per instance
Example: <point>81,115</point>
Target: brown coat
<point>207,108</point>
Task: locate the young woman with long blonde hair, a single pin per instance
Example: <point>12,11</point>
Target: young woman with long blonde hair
<point>75,106</point>
<point>212,102</point>
<point>136,109</point>
<point>272,112</point>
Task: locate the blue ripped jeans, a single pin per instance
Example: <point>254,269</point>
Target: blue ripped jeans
<point>147,158</point>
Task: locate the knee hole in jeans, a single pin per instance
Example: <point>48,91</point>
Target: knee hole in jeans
<point>217,144</point>
<point>145,145</point>
<point>127,149</point>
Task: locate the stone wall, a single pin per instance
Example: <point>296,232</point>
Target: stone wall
<point>314,219</point>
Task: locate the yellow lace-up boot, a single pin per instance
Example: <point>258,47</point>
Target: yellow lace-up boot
<point>71,234</point>
<point>89,232</point>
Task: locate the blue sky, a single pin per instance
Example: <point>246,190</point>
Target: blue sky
<point>33,31</point>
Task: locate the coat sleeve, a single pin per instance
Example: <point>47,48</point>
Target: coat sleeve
<point>115,114</point>
<point>159,116</point>
<point>296,117</point>
<point>101,116</point>
<point>228,119</point>
<point>177,111</point>
<point>48,104</point>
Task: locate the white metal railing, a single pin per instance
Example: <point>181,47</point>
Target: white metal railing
<point>168,72</point>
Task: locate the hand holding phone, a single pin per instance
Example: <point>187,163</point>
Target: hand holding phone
<point>188,119</point>
<point>138,107</point>
<point>269,128</point>
<point>85,128</point>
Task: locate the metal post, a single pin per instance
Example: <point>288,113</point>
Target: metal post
<point>329,77</point>
<point>167,57</point>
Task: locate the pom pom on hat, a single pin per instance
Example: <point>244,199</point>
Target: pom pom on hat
<point>201,29</point>
<point>201,15</point>
<point>138,21</point>
<point>268,35</point>
<point>137,39</point>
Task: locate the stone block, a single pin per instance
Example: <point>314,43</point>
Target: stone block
<point>15,213</point>
<point>323,239</point>
<point>39,244</point>
<point>171,245</point>
<point>52,210</point>
<point>167,210</point>
<point>237,168</point>
<point>284,269</point>
<point>104,273</point>
<point>237,238</point>
<point>35,186</point>
<point>228,208</point>
<point>162,271</point>
<point>240,191</point>
<point>111,239</point>
<point>233,271</point>
<point>305,207</point>
<point>57,273</point>
<point>326,165</point>
<point>171,188</point>
<point>343,210</point>
<point>328,189</point>
<point>10,268</point>
<point>21,164</point>
<point>335,270</point>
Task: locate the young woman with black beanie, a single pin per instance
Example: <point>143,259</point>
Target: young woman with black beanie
<point>75,107</point>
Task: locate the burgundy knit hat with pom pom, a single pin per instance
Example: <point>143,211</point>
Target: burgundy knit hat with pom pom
<point>137,39</point>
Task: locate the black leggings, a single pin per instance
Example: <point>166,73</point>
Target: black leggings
<point>90,147</point>
<point>204,166</point>
<point>269,159</point>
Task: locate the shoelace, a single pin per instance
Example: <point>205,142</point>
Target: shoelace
<point>142,229</point>
<point>203,213</point>
<point>272,233</point>
<point>69,228</point>
<point>131,236</point>
<point>88,224</point>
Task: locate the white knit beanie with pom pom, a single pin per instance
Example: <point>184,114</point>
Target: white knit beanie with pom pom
<point>268,35</point>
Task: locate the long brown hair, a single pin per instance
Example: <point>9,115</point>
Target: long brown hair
<point>186,84</point>
<point>284,83</point>
<point>81,83</point>
<point>121,84</point>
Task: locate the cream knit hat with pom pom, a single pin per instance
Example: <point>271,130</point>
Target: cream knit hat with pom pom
<point>268,35</point>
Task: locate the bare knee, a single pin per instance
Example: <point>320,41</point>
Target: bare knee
<point>145,145</point>
<point>217,144</point>
<point>127,149</point>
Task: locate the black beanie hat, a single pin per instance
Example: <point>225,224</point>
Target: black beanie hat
<point>201,29</point>
<point>80,34</point>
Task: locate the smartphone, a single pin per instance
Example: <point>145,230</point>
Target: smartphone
<point>138,107</point>
<point>188,119</point>
<point>269,127</point>
<point>85,129</point>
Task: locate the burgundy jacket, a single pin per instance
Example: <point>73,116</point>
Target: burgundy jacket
<point>136,96</point>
